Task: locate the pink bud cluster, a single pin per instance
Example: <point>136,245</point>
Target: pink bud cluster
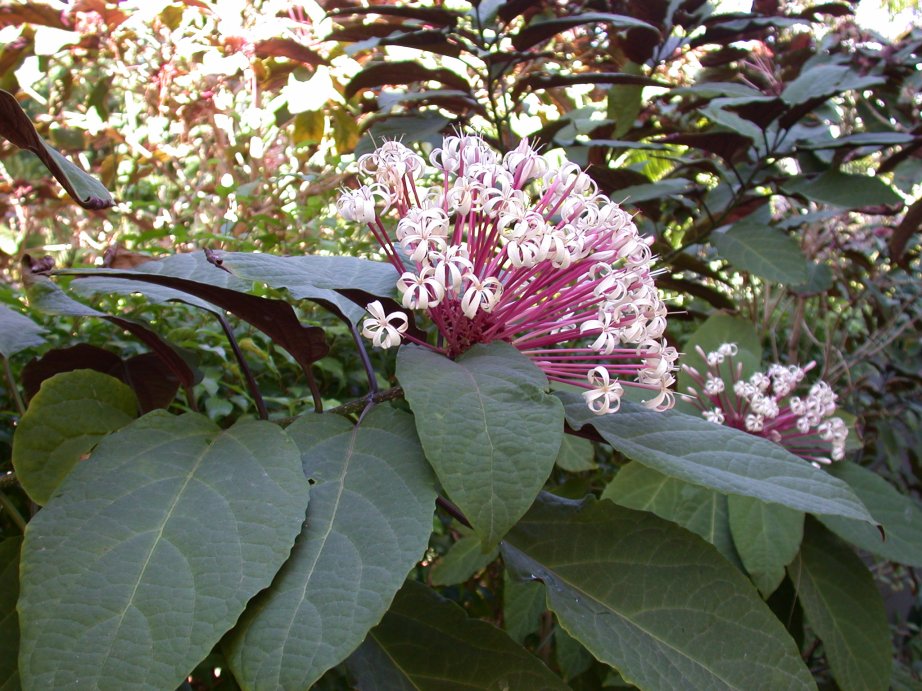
<point>511,248</point>
<point>764,405</point>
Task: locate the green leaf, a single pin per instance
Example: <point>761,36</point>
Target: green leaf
<point>654,601</point>
<point>767,538</point>
<point>17,332</point>
<point>9,622</point>
<point>68,416</point>
<point>317,277</point>
<point>842,604</point>
<point>16,126</point>
<point>825,80</point>
<point>762,251</point>
<point>576,455</point>
<point>572,658</point>
<point>463,560</point>
<point>523,605</point>
<point>700,510</point>
<point>488,427</point>
<point>692,449</point>
<point>368,522</point>
<point>900,517</point>
<point>428,643</point>
<point>843,189</point>
<point>148,552</point>
<point>715,331</point>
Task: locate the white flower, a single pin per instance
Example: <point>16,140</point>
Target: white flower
<point>605,395</point>
<point>480,295</point>
<point>385,331</point>
<point>359,205</point>
<point>420,291</point>
<point>450,266</point>
<point>608,338</point>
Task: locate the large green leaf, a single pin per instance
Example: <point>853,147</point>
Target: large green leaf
<point>368,522</point>
<point>843,189</point>
<point>488,427</point>
<point>149,551</point>
<point>651,599</point>
<point>842,604</point>
<point>317,277</point>
<point>767,537</point>
<point>428,643</point>
<point>698,509</point>
<point>17,332</point>
<point>9,622</point>
<point>463,560</point>
<point>692,449</point>
<point>71,412</point>
<point>762,251</point>
<point>900,517</point>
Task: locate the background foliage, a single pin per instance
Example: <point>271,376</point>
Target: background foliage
<point>774,156</point>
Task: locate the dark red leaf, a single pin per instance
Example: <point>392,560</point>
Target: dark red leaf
<point>539,32</point>
<point>81,356</point>
<point>288,48</point>
<point>27,12</point>
<point>612,179</point>
<point>436,16</point>
<point>911,224</point>
<point>109,11</point>
<point>831,9</point>
<point>723,144</point>
<point>402,72</point>
<point>536,82</point>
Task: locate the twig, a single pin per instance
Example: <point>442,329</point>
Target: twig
<point>244,368</point>
<point>14,391</point>
<point>16,517</point>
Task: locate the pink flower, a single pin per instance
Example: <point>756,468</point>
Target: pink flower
<point>515,249</point>
<point>757,405</point>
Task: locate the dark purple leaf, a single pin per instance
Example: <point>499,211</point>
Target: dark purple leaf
<point>539,32</point>
<point>402,72</point>
<point>909,226</point>
<point>724,144</point>
<point>288,48</point>
<point>536,82</point>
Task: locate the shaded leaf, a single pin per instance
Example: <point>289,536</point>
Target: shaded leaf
<point>317,278</point>
<point>875,139</point>
<point>540,31</point>
<point>724,144</point>
<point>153,384</point>
<point>842,604</point>
<point>428,643</point>
<point>402,72</point>
<point>826,80</point>
<point>368,522</point>
<point>899,516</point>
<point>16,127</point>
<point>700,510</point>
<point>523,605</point>
<point>275,318</point>
<point>539,81</point>
<point>762,251</point>
<point>9,621</point>
<point>17,332</point>
<point>463,560</point>
<point>767,538</point>
<point>183,523</point>
<point>627,607</point>
<point>65,420</point>
<point>692,449</point>
<point>819,280</point>
<point>843,189</point>
<point>477,444</point>
<point>576,455</point>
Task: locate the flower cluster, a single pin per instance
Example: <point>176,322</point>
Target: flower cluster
<point>510,248</point>
<point>804,426</point>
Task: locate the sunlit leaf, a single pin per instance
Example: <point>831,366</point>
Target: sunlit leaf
<point>826,80</point>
